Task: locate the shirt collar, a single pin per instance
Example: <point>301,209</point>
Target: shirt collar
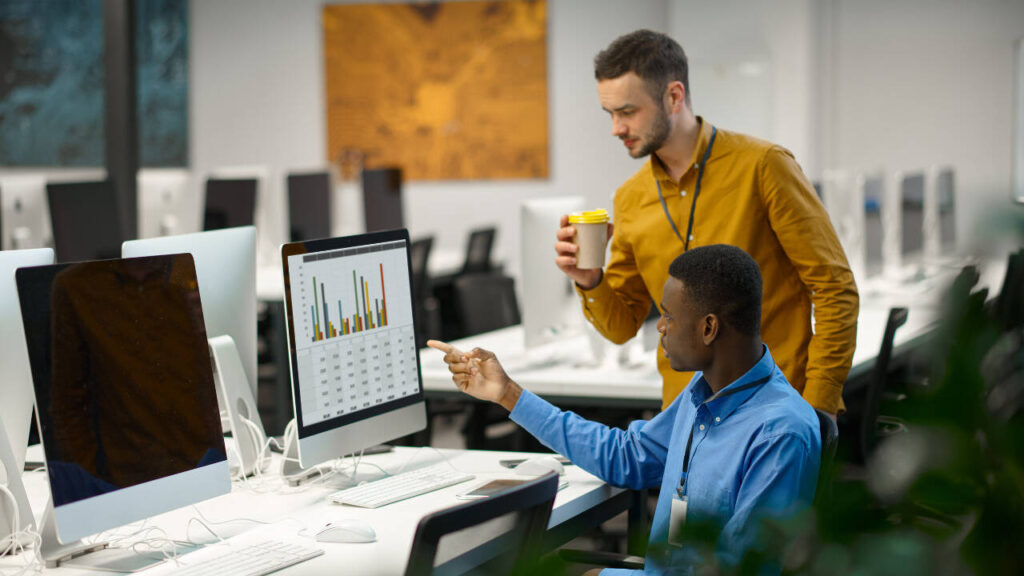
<point>658,170</point>
<point>734,395</point>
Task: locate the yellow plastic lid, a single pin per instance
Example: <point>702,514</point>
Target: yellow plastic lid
<point>599,216</point>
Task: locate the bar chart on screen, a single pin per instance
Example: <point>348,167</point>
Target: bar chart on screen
<point>354,337</point>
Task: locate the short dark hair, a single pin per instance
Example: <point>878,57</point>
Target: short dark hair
<point>656,58</point>
<point>722,280</point>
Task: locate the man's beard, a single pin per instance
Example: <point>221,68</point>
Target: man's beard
<point>658,134</point>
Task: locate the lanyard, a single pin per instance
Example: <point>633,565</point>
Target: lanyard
<point>693,205</point>
<point>681,489</point>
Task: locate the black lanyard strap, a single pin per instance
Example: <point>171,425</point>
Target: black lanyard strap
<point>721,394</point>
<point>693,203</point>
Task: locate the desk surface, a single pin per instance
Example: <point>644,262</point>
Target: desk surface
<point>569,372</point>
<point>290,510</point>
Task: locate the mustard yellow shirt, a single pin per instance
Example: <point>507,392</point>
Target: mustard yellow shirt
<point>753,196</point>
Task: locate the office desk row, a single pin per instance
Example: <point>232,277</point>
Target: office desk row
<point>567,372</point>
<point>266,507</point>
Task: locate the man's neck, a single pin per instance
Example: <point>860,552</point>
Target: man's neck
<point>731,362</point>
<point>677,153</point>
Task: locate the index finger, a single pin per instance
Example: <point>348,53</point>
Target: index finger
<point>442,346</point>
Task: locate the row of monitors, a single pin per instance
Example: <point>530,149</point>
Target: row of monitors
<point>126,339</point>
<point>85,224</point>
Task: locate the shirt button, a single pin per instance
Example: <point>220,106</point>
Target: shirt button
<point>701,426</point>
<point>691,237</point>
<point>682,193</point>
<point>718,418</point>
<point>591,300</point>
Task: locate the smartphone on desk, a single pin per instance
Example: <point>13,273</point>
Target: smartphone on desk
<point>499,485</point>
<point>512,463</point>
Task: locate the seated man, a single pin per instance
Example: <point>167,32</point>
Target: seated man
<point>738,445</point>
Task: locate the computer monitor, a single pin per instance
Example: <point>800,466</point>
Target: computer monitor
<point>164,202</point>
<point>16,381</point>
<point>230,202</point>
<point>85,220</point>
<point>911,216</point>
<point>24,212</point>
<point>226,267</point>
<point>548,305</point>
<point>124,389</point>
<point>945,187</point>
<point>309,206</point>
<point>382,199</point>
<point>352,343</point>
<point>874,194</point>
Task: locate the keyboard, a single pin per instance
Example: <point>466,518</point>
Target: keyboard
<point>229,559</point>
<point>400,486</point>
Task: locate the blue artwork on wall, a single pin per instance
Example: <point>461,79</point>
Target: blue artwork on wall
<point>52,75</point>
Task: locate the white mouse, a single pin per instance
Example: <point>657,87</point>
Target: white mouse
<point>347,530</point>
<point>540,465</point>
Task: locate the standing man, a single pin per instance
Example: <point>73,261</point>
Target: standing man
<point>738,446</point>
<point>701,186</point>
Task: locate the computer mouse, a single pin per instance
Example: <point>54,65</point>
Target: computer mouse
<point>348,530</point>
<point>539,465</point>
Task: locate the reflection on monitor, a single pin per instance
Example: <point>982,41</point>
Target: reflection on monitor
<point>16,383</point>
<point>229,203</point>
<point>874,192</point>
<point>86,224</point>
<point>163,202</point>
<point>309,206</point>
<point>124,389</point>
<point>23,211</point>
<point>352,343</point>
<point>549,306</point>
<point>945,187</point>
<point>911,215</point>
<point>226,266</point>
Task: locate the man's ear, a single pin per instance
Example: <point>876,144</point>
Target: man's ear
<point>675,95</point>
<point>710,330</point>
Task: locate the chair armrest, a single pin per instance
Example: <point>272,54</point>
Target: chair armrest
<point>606,559</point>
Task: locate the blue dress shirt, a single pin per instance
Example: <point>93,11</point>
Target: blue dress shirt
<point>755,453</point>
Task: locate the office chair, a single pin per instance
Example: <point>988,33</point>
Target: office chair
<point>478,251</point>
<point>872,425</point>
<point>516,552</point>
<point>229,202</point>
<point>309,206</point>
<point>85,220</point>
<point>1008,306</point>
<point>486,302</point>
<point>425,306</point>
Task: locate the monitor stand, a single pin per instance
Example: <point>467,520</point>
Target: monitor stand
<point>240,405</point>
<point>92,555</point>
<point>10,476</point>
<point>291,469</point>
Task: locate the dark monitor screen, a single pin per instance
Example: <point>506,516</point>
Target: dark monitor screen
<point>912,219</point>
<point>947,209</point>
<point>85,220</point>
<point>230,202</point>
<point>382,199</point>
<point>309,206</point>
<point>122,373</point>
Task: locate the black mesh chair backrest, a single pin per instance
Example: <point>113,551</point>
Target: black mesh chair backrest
<point>516,550</point>
<point>478,251</point>
<point>486,302</point>
<point>876,387</point>
<point>229,202</point>
<point>419,254</point>
<point>1008,308</point>
<point>829,442</point>
<point>309,206</point>
<point>85,220</point>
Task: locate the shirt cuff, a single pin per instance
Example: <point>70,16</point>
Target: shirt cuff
<point>824,396</point>
<point>594,297</point>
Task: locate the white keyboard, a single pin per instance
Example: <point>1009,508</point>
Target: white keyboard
<point>229,559</point>
<point>400,486</point>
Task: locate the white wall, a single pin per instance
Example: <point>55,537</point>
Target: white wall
<point>919,82</point>
<point>257,97</point>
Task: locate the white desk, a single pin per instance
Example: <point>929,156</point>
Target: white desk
<point>638,384</point>
<point>290,510</point>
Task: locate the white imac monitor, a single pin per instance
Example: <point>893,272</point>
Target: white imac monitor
<point>874,196</point>
<point>25,213</point>
<point>945,192</point>
<point>352,343</point>
<point>548,304</point>
<point>226,267</point>
<point>124,388</point>
<point>165,206</point>
<point>911,218</point>
<point>15,376</point>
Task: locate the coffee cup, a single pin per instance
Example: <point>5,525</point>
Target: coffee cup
<point>591,237</point>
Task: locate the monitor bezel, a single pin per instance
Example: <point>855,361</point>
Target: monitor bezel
<point>326,244</point>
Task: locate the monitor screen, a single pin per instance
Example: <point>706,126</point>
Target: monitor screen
<point>874,187</point>
<point>947,209</point>
<point>124,388</point>
<point>230,202</point>
<point>352,340</point>
<point>549,303</point>
<point>86,224</point>
<point>912,214</point>
<point>309,206</point>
